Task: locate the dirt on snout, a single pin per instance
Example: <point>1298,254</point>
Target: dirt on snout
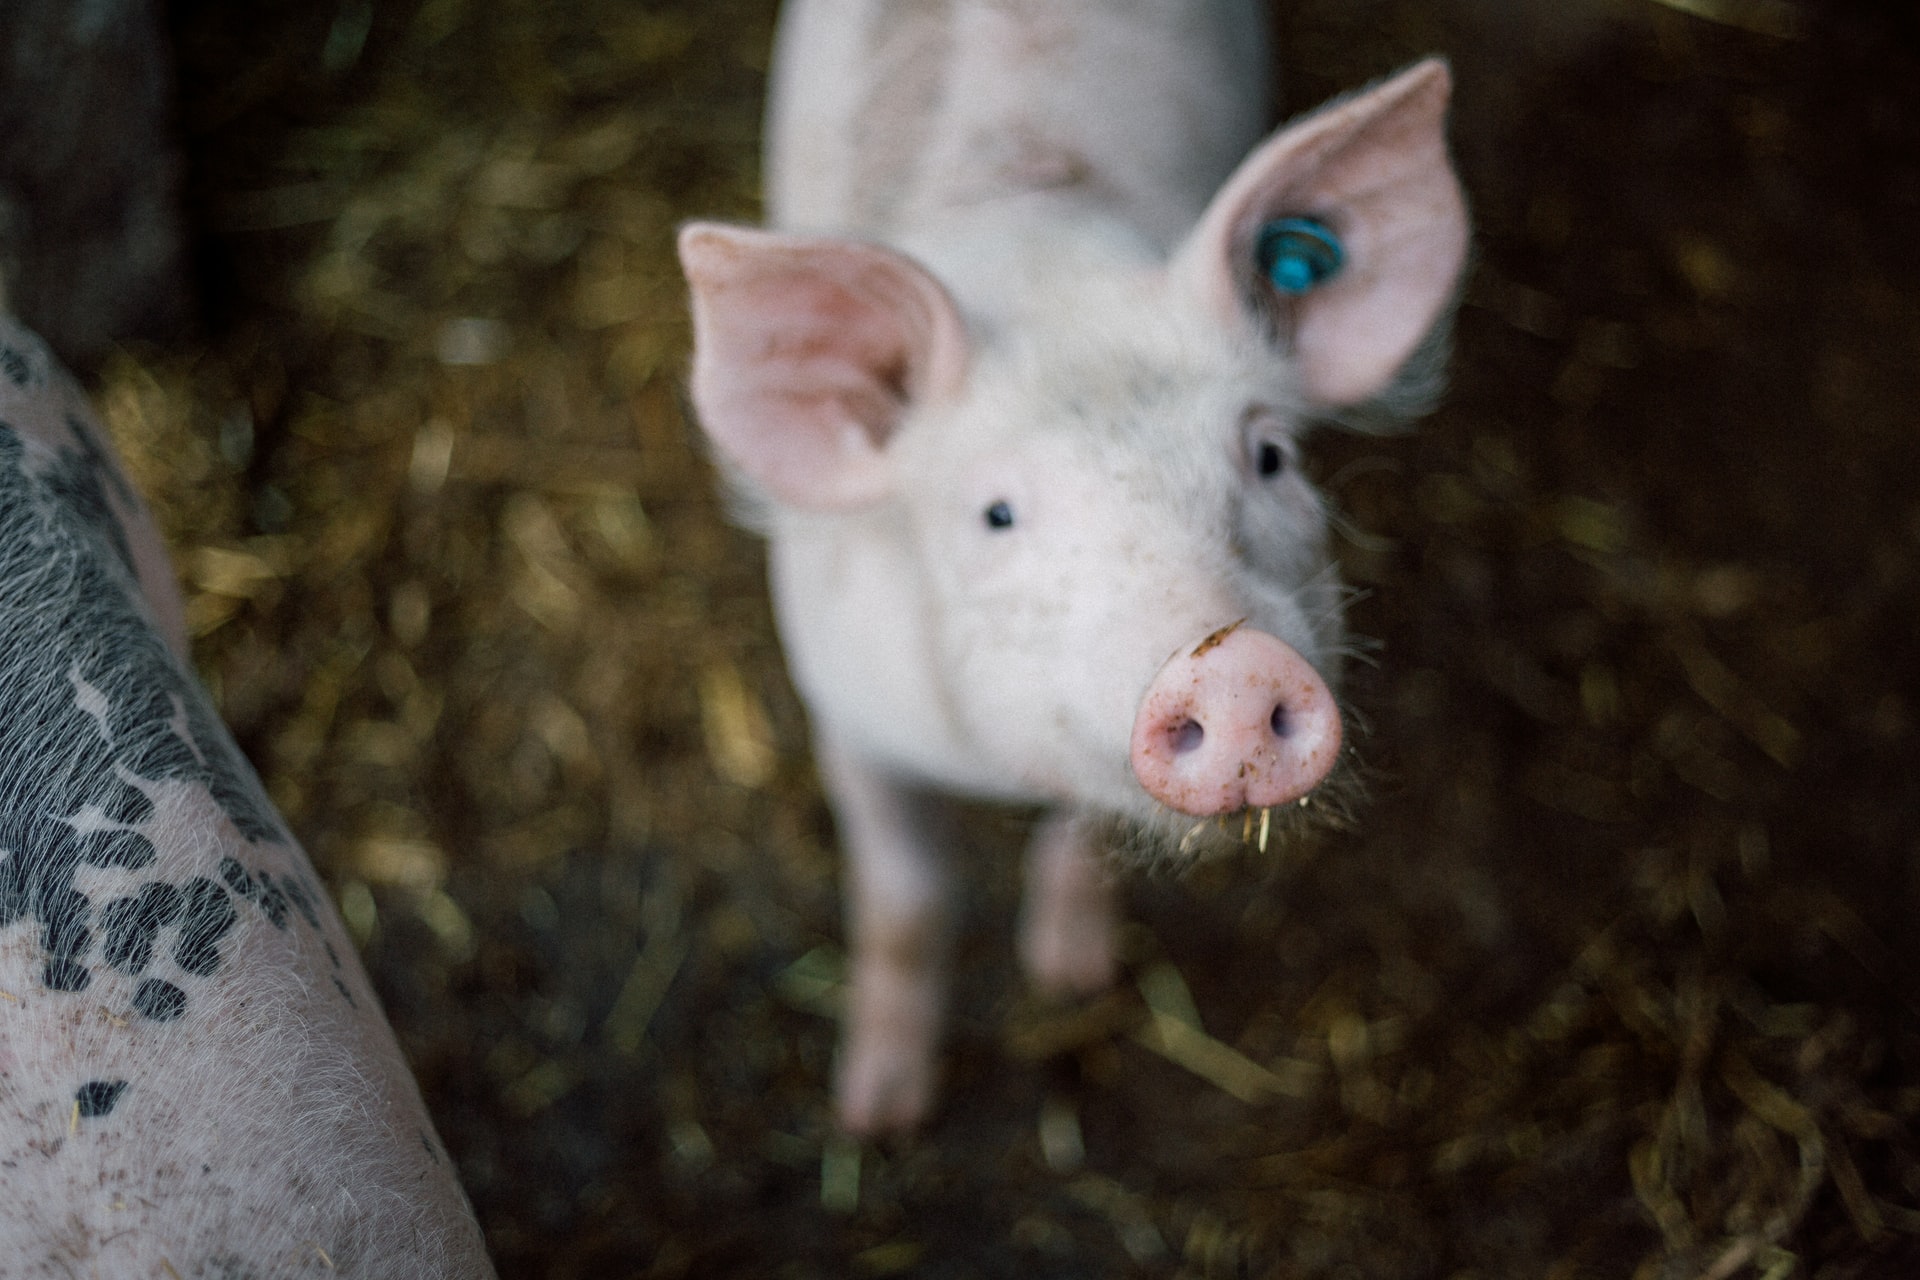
<point>1611,975</point>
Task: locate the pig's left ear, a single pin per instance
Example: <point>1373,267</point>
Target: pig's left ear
<point>808,352</point>
<point>1380,214</point>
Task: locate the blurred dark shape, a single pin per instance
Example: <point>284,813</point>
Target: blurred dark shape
<point>92,250</point>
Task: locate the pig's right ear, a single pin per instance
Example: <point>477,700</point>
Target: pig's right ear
<point>807,354</point>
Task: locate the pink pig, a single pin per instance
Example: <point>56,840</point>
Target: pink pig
<point>1014,392</point>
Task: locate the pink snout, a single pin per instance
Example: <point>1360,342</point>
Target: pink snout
<point>1239,721</point>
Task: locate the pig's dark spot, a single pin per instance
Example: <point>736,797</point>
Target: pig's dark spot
<point>999,516</point>
<point>98,1097</point>
<point>127,849</point>
<point>15,366</point>
<point>65,975</point>
<point>302,901</point>
<point>98,465</point>
<point>81,481</point>
<point>94,716</point>
<point>236,877</point>
<point>274,897</point>
<point>132,923</point>
<point>272,900</point>
<point>207,918</point>
<point>1279,722</point>
<point>161,1001</point>
<point>341,987</point>
<point>128,806</point>
<point>1270,461</point>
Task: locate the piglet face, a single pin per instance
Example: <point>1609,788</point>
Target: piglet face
<point>1095,503</point>
<point>1047,499</point>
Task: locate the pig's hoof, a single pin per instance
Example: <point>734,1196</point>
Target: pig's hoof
<point>883,1091</point>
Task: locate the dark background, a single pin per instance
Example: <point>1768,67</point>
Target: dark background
<point>1611,977</point>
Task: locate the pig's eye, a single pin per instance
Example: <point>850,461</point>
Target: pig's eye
<point>998,516</point>
<point>1264,442</point>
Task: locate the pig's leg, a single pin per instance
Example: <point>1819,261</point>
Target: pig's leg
<point>195,1077</point>
<point>900,909</point>
<point>1067,929</point>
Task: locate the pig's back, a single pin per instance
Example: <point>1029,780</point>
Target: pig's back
<point>887,115</point>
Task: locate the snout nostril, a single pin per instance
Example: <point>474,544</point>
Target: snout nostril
<point>1240,721</point>
<point>1186,736</point>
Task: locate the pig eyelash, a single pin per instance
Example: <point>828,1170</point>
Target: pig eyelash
<point>998,516</point>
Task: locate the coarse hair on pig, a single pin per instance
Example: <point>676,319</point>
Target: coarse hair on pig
<point>195,1077</point>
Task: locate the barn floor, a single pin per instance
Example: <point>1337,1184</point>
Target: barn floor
<point>1613,975</point>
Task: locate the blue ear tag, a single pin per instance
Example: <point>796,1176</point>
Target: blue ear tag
<point>1298,254</point>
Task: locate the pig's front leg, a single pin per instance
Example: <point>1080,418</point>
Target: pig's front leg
<point>900,924</point>
<point>1067,929</point>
